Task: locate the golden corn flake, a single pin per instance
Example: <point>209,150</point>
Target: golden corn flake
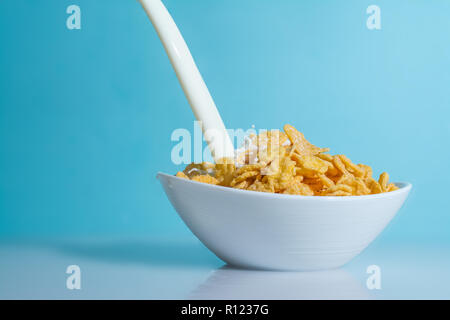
<point>205,179</point>
<point>299,188</point>
<point>285,162</point>
<point>301,145</point>
<point>367,171</point>
<point>181,174</point>
<point>391,187</point>
<point>383,181</point>
<point>243,177</point>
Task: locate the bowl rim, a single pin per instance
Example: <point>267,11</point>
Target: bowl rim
<point>402,188</point>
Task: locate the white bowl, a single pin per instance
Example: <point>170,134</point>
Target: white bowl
<point>281,232</point>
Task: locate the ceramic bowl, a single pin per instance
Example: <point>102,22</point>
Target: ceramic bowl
<point>261,230</point>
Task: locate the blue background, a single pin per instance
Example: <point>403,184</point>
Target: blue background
<point>86,115</point>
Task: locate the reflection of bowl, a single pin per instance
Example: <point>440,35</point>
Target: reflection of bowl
<point>230,283</point>
<point>282,232</point>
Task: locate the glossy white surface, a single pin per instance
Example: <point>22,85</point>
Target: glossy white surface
<point>182,268</point>
<point>281,232</point>
<point>190,79</point>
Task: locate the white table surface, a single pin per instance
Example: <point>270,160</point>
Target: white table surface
<point>182,268</point>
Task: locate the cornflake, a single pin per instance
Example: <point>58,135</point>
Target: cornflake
<point>285,162</point>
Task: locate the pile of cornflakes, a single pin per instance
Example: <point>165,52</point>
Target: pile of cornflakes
<point>285,162</point>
